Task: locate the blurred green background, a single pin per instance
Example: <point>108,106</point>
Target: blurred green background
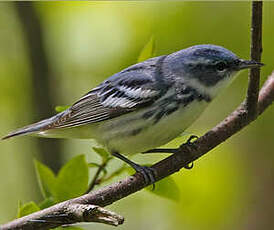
<point>82,43</point>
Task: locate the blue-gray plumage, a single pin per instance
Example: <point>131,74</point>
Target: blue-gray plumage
<point>147,104</point>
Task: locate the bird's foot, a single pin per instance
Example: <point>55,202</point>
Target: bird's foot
<point>191,138</point>
<point>147,172</point>
<point>189,143</point>
<point>189,166</point>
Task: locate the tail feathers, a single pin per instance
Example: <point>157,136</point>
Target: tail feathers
<point>34,128</point>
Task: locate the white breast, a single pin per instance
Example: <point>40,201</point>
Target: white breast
<point>131,133</point>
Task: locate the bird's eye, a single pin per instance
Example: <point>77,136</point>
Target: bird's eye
<point>221,66</point>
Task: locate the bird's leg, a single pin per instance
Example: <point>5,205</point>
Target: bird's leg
<point>188,143</point>
<point>147,172</point>
<point>191,144</point>
<point>162,150</point>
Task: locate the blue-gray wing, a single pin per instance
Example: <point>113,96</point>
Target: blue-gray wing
<point>124,92</point>
<point>135,87</point>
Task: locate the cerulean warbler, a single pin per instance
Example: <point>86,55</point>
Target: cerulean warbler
<point>147,104</point>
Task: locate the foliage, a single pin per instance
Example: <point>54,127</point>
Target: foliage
<point>46,179</point>
<point>148,51</point>
<point>27,209</point>
<point>101,152</point>
<point>71,181</point>
<point>166,188</point>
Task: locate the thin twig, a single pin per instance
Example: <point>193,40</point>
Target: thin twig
<point>256,51</point>
<point>97,174</point>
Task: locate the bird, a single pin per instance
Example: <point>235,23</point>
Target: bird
<point>147,104</point>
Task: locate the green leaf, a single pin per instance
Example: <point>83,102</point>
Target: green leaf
<point>166,188</point>
<point>148,50</point>
<point>61,108</point>
<point>47,203</point>
<point>46,179</point>
<point>102,152</point>
<point>72,179</point>
<point>93,165</point>
<point>130,170</point>
<point>27,209</point>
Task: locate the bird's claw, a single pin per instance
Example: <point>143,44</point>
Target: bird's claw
<point>148,173</point>
<point>190,139</point>
<point>189,166</point>
<point>190,142</point>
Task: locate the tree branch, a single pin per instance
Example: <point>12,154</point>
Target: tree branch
<point>186,154</point>
<point>69,214</point>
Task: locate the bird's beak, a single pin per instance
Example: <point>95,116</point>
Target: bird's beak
<point>245,64</point>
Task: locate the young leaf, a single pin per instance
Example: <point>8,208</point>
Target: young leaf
<point>61,108</point>
<point>72,179</point>
<point>27,209</point>
<point>166,188</point>
<point>102,152</point>
<point>148,50</point>
<point>47,203</point>
<point>93,165</point>
<point>46,179</point>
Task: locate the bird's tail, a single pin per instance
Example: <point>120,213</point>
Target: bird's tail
<point>36,127</point>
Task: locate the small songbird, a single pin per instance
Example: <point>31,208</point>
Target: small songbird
<point>147,104</point>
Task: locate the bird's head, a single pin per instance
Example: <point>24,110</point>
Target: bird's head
<point>209,67</point>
